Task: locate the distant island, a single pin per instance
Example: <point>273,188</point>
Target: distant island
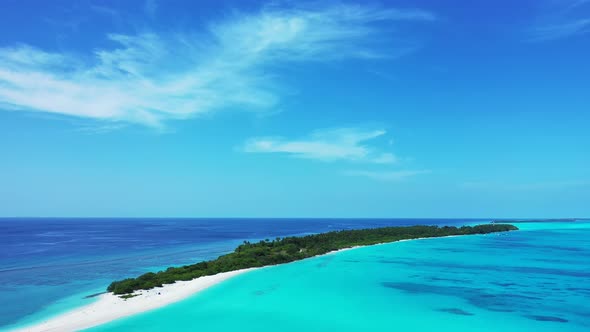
<point>502,221</point>
<point>289,249</point>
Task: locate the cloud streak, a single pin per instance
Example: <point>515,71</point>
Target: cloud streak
<point>563,19</point>
<point>149,78</point>
<point>343,144</point>
<point>532,186</point>
<point>392,176</point>
<point>561,30</point>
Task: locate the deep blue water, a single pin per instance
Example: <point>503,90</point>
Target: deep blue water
<point>50,265</point>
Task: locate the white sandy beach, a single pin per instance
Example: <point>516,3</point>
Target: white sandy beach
<point>109,307</point>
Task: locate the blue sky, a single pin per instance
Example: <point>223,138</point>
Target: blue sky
<point>295,109</point>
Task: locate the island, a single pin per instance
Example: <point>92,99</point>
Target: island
<point>289,249</point>
<point>136,295</point>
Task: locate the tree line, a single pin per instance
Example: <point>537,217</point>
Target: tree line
<point>289,249</point>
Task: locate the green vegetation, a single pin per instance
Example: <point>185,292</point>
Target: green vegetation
<point>290,249</point>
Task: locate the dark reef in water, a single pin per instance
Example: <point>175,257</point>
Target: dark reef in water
<point>547,319</point>
<point>474,268</point>
<point>456,311</point>
<point>478,297</point>
<point>457,281</point>
<point>503,284</point>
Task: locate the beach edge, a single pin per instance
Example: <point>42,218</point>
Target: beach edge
<point>110,307</point>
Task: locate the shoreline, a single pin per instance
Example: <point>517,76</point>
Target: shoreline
<point>109,307</point>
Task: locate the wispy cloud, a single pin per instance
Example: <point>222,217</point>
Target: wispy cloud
<point>561,19</point>
<point>344,144</point>
<point>105,10</point>
<point>530,186</point>
<point>151,77</point>
<point>150,7</point>
<point>386,175</point>
<point>561,30</point>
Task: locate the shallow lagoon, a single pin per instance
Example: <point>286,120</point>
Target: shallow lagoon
<point>50,265</point>
<point>537,279</point>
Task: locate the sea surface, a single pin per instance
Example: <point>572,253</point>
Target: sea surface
<point>49,266</point>
<point>536,279</point>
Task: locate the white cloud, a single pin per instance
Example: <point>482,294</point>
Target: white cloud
<point>148,78</point>
<point>561,19</point>
<point>386,175</point>
<point>346,144</point>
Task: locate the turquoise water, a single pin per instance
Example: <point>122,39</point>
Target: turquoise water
<point>50,265</point>
<point>537,279</point>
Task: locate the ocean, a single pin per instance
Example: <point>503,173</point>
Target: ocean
<point>536,279</point>
<point>51,265</point>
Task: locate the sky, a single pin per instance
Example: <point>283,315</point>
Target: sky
<point>408,109</point>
